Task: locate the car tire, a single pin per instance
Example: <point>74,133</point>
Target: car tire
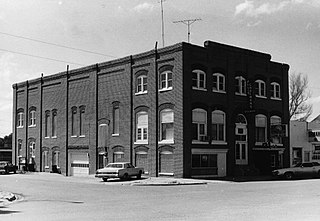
<point>105,179</point>
<point>288,175</point>
<point>139,175</point>
<point>125,176</point>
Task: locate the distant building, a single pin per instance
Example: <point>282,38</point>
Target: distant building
<point>184,111</point>
<point>6,148</point>
<point>314,139</point>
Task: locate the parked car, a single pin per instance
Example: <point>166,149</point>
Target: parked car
<point>123,171</point>
<point>7,167</point>
<point>310,169</point>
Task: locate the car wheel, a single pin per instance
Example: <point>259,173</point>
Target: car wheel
<point>105,179</point>
<point>139,175</point>
<point>288,175</point>
<point>125,176</point>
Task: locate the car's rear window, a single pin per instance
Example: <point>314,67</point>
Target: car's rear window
<point>116,165</point>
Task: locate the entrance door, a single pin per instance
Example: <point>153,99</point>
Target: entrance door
<point>241,146</point>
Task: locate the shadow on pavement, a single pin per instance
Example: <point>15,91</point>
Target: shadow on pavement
<point>3,212</point>
<point>118,180</point>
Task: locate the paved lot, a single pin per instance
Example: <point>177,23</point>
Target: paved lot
<point>55,197</point>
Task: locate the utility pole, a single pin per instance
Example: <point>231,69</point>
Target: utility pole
<point>162,22</point>
<point>188,22</point>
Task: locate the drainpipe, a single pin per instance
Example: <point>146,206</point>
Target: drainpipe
<point>131,110</point>
<point>26,123</point>
<point>67,123</point>
<point>157,114</point>
<point>96,113</point>
<point>40,121</point>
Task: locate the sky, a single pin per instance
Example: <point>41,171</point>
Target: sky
<point>44,36</point>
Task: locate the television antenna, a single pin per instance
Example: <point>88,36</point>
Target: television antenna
<point>188,22</point>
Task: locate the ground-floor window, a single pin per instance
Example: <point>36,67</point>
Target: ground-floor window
<point>45,159</point>
<point>306,156</point>
<point>204,160</point>
<point>118,157</point>
<point>166,162</point>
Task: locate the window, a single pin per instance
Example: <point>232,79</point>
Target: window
<point>198,79</point>
<point>32,148</point>
<point>81,121</point>
<point>19,147</point>
<point>260,88</point>
<point>274,122</point>
<point>275,90</point>
<point>46,123</point>
<point>241,147</point>
<point>20,119</point>
<point>240,86</point>
<point>166,80</point>
<point>199,125</point>
<point>218,82</point>
<point>141,84</point>
<point>142,127</point>
<point>55,158</point>
<point>116,119</point>
<point>46,159</point>
<point>261,128</point>
<point>204,160</point>
<point>73,122</point>
<point>54,123</point>
<point>166,123</point>
<point>218,125</point>
<point>118,156</point>
<point>32,118</point>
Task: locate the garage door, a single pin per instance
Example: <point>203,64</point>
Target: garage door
<point>79,164</point>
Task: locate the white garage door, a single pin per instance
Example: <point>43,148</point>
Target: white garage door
<point>79,164</point>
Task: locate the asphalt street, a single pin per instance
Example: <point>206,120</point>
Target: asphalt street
<point>55,197</point>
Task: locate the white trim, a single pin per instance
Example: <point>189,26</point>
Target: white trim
<point>166,142</point>
<point>115,135</point>
<point>221,92</point>
<point>141,142</point>
<point>237,93</point>
<point>165,89</point>
<point>74,136</point>
<point>166,174</point>
<point>82,136</point>
<point>33,125</point>
<point>259,96</point>
<point>54,137</point>
<point>140,93</point>
<point>276,98</point>
<point>219,143</point>
<point>199,89</point>
<point>199,142</point>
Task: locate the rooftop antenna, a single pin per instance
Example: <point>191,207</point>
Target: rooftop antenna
<point>188,22</point>
<point>162,23</point>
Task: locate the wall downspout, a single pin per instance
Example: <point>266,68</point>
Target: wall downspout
<point>157,114</point>
<point>67,123</point>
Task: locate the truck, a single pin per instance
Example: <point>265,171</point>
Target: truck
<point>122,170</point>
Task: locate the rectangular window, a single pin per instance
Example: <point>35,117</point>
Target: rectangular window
<point>167,119</point>
<point>142,127</point>
<point>32,116</point>
<point>116,120</point>
<point>73,123</point>
<point>81,123</point>
<point>204,161</point>
<point>20,119</point>
<point>45,159</point>
<point>54,124</point>
<point>46,126</point>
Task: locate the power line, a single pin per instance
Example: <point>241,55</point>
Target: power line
<point>54,44</point>
<point>188,22</point>
<point>35,56</point>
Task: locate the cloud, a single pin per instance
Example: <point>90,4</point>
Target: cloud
<point>144,7</point>
<point>249,9</point>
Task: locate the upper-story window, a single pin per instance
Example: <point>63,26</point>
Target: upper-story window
<point>32,148</point>
<point>20,118</point>
<point>260,88</point>
<point>218,82</point>
<point>73,121</point>
<point>241,85</point>
<point>275,90</point>
<point>32,117</point>
<point>166,80</point>
<point>54,123</point>
<point>166,121</point>
<point>198,79</point>
<point>142,127</point>
<point>116,119</point>
<point>82,111</point>
<point>199,125</point>
<point>141,84</point>
<point>46,123</point>
<point>276,127</point>
<point>261,128</point>
<point>218,125</point>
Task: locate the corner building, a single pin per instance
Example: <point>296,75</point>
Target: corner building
<point>182,110</point>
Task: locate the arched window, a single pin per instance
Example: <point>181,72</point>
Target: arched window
<point>277,129</point>
<point>240,85</point>
<point>218,82</point>
<point>32,117</point>
<point>20,118</point>
<point>166,80</point>
<point>198,79</point>
<point>142,127</point>
<point>54,123</point>
<point>46,123</point>
<point>218,125</point>
<point>261,128</point>
<point>275,90</point>
<point>73,121</point>
<point>199,125</point>
<point>82,111</point>
<point>260,88</point>
<point>166,124</point>
<point>116,119</point>
<point>141,84</point>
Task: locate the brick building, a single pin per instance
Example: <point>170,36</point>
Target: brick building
<point>182,110</point>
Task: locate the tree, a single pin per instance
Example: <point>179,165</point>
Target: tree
<point>298,96</point>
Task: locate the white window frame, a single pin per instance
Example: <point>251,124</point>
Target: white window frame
<point>142,127</point>
<point>199,73</point>
<point>241,85</point>
<point>275,91</point>
<point>20,119</point>
<point>162,124</point>
<point>168,82</point>
<point>261,89</point>
<point>32,118</point>
<point>201,137</point>
<point>143,85</point>
<point>257,117</point>
<point>220,78</point>
<point>218,130</point>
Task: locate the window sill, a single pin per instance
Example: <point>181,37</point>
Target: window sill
<point>141,142</point>
<point>82,136</point>
<point>241,94</point>
<point>54,137</point>
<point>276,98</point>
<point>46,167</point>
<point>140,93</point>
<point>166,174</point>
<point>165,89</point>
<point>30,126</point>
<point>219,142</point>
<point>74,136</point>
<point>220,92</point>
<point>200,142</point>
<point>46,137</point>
<point>20,127</point>
<point>199,89</point>
<point>166,142</point>
<point>115,135</point>
<point>259,96</point>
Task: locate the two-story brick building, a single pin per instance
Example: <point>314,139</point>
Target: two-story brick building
<point>183,110</point>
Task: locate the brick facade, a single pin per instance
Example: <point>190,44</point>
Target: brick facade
<point>87,133</point>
